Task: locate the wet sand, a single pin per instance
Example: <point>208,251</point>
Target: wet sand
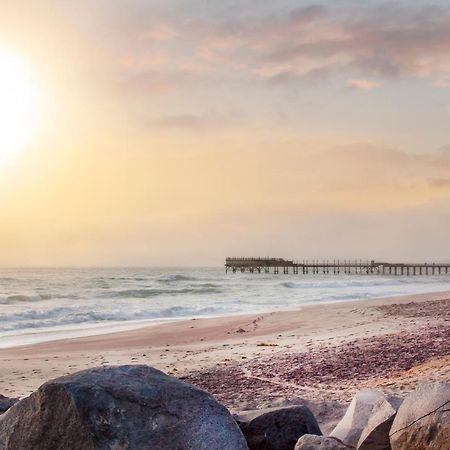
<point>319,355</point>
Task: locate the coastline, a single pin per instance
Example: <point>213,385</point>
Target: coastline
<point>94,330</point>
<point>204,350</point>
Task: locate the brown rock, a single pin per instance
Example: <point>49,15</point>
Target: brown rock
<point>375,435</point>
<point>423,419</point>
<point>349,429</point>
<point>119,407</point>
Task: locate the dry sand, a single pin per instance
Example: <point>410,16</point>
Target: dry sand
<point>319,355</point>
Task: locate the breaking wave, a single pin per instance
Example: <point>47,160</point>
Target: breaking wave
<point>71,316</point>
<point>152,292</point>
<point>18,298</point>
<point>172,278</point>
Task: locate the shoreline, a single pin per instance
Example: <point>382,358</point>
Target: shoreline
<point>90,331</point>
<point>203,346</point>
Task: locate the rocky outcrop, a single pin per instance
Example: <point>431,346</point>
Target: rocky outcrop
<point>423,419</point>
<point>133,407</point>
<point>312,442</point>
<point>6,403</point>
<point>278,429</point>
<point>350,428</point>
<point>375,435</point>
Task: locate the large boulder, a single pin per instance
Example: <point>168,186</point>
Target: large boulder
<point>423,420</point>
<point>375,435</point>
<point>277,429</point>
<point>119,407</point>
<point>312,442</point>
<point>350,428</point>
<point>6,403</point>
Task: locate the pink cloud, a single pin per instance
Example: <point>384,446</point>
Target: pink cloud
<point>290,46</point>
<point>441,84</point>
<point>363,85</point>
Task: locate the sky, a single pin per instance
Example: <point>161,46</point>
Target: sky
<point>178,133</point>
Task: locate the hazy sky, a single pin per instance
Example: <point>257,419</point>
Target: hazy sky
<point>179,132</point>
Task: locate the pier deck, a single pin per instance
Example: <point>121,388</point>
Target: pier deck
<point>265,265</point>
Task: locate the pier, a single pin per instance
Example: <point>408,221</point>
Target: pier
<point>333,267</point>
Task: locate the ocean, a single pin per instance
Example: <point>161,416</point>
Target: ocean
<point>39,305</point>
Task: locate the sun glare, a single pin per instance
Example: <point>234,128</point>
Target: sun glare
<point>18,105</point>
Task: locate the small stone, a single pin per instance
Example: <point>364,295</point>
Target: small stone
<point>277,429</point>
<point>6,403</point>
<point>312,442</point>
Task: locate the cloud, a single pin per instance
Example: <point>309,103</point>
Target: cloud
<point>440,183</point>
<point>289,44</point>
<point>362,85</point>
<point>441,84</point>
<point>444,150</point>
<point>205,121</point>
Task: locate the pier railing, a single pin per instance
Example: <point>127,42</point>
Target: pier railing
<point>326,267</point>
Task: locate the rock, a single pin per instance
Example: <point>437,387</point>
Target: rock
<point>423,419</point>
<point>312,442</point>
<point>375,435</point>
<point>131,407</point>
<point>277,429</point>
<point>6,403</point>
<point>349,429</point>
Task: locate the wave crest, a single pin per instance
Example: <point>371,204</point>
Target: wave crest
<point>172,278</point>
<point>21,298</point>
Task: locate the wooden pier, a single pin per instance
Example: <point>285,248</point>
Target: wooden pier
<point>333,267</point>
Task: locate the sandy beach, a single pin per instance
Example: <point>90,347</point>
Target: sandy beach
<point>319,355</point>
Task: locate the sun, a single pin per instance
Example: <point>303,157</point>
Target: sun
<point>18,104</point>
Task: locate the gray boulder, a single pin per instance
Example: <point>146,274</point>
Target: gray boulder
<point>375,435</point>
<point>423,419</point>
<point>312,442</point>
<point>278,429</point>
<point>6,403</point>
<point>119,407</point>
<point>350,428</point>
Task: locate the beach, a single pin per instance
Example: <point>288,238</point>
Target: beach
<point>318,354</point>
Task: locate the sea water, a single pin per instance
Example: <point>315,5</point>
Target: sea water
<point>44,304</point>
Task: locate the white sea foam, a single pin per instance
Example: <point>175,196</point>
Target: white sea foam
<point>47,302</point>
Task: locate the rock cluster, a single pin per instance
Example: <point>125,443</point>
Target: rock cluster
<point>140,408</point>
<point>377,422</point>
